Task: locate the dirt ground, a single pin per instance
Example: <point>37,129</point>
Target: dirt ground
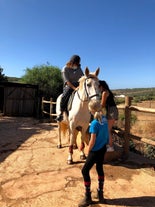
<point>34,172</point>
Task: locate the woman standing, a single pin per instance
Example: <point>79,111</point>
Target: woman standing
<point>108,102</point>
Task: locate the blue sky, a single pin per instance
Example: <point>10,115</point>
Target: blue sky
<point>116,35</point>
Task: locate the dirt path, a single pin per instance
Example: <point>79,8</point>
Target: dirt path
<point>34,173</point>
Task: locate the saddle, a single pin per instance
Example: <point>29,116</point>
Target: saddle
<point>69,105</point>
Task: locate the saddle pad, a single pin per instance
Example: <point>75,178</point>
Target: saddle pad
<point>69,105</point>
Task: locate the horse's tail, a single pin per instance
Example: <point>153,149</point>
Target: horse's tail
<point>64,128</point>
<point>58,110</point>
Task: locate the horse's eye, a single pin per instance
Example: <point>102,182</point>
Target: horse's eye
<point>89,84</point>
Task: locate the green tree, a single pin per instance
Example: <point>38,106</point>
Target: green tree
<point>3,78</point>
<point>47,77</point>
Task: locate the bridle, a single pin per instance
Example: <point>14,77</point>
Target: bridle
<point>87,94</point>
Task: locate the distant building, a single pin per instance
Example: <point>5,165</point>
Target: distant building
<point>120,96</point>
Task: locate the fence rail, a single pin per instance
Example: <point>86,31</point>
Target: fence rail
<point>128,108</point>
<point>51,103</point>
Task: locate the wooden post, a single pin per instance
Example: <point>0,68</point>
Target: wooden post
<point>127,124</point>
<point>51,110</point>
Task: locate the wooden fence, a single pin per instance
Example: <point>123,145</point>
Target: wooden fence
<point>51,108</point>
<point>125,134</point>
<point>128,108</point>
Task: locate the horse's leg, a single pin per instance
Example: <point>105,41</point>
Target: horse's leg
<point>82,154</point>
<point>75,146</point>
<point>82,147</point>
<point>84,139</point>
<point>59,145</point>
<point>73,134</point>
<point>70,159</point>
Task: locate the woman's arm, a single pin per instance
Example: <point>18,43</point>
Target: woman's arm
<point>65,77</point>
<point>71,85</point>
<point>104,98</point>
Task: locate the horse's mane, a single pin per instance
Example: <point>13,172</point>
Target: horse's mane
<point>81,81</point>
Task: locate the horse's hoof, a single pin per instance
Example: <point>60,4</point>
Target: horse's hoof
<point>59,146</point>
<point>69,162</point>
<point>82,157</point>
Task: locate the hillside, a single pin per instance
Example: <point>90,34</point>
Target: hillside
<point>145,93</point>
<point>140,93</point>
<point>14,79</point>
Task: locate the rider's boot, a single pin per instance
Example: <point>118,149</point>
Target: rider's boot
<point>59,117</point>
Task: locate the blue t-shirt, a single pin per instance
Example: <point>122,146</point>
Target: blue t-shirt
<point>101,131</point>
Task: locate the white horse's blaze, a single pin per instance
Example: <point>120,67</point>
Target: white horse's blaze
<point>79,115</point>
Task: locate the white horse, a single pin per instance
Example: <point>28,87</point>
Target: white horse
<point>79,116</point>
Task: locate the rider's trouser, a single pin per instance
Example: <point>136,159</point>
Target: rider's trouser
<point>67,91</point>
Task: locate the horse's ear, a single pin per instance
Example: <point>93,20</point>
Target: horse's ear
<point>87,71</point>
<point>97,71</point>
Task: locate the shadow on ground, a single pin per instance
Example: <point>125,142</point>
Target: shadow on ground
<point>148,201</point>
<point>14,131</point>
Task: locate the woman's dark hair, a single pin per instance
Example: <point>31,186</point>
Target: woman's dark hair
<point>104,84</point>
<point>75,59</point>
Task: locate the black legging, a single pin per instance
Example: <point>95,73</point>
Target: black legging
<point>67,91</point>
<point>94,157</point>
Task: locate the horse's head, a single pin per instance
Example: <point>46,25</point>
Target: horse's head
<point>89,85</point>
